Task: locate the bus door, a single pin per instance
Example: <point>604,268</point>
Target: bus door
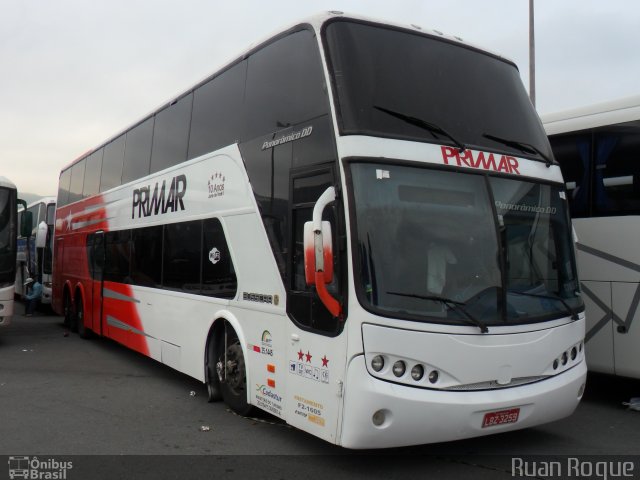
<point>96,255</point>
<point>316,345</point>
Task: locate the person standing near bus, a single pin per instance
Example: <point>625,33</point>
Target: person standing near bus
<point>34,292</point>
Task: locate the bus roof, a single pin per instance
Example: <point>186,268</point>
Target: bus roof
<point>316,21</point>
<point>45,200</point>
<point>592,116</point>
<point>6,183</point>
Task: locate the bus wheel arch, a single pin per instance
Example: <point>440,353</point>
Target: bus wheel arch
<point>226,365</point>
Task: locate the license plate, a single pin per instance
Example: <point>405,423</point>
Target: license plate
<point>501,417</point>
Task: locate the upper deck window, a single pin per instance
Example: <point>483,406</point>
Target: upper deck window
<point>400,84</point>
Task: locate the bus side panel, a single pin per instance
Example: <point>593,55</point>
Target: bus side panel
<point>121,320</point>
<point>600,325</point>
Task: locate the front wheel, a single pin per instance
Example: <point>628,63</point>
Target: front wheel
<point>232,373</point>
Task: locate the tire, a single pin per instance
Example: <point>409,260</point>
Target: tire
<point>214,393</point>
<point>83,331</point>
<point>231,365</point>
<point>69,320</point>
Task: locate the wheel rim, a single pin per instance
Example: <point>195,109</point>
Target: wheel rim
<point>235,371</point>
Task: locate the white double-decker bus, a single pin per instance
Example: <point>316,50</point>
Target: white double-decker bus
<point>8,231</point>
<point>35,246</point>
<point>598,148</point>
<point>355,226</point>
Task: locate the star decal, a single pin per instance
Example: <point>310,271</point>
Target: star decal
<point>325,361</point>
<point>300,354</point>
<point>308,355</point>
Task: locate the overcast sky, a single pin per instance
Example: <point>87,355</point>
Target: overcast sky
<point>75,72</point>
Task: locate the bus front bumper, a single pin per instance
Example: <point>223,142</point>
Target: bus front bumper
<point>414,416</point>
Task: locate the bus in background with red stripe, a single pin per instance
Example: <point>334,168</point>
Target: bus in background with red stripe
<point>356,226</point>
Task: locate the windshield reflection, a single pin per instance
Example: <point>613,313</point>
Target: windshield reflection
<point>450,247</point>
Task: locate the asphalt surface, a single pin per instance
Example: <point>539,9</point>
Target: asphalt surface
<point>65,397</point>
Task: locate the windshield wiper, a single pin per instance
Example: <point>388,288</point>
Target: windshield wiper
<point>522,146</point>
<point>418,122</point>
<point>454,305</point>
<point>572,313</point>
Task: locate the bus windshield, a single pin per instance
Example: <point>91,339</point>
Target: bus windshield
<point>7,236</point>
<point>406,85</point>
<point>450,247</point>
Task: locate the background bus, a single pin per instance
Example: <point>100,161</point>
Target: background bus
<point>8,229</point>
<point>35,250</point>
<point>598,148</point>
<point>329,231</point>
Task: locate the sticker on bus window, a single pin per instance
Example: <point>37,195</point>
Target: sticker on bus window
<point>382,174</point>
<point>563,196</point>
<point>214,255</point>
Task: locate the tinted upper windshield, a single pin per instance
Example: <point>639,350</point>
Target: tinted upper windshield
<point>386,79</point>
<point>451,247</point>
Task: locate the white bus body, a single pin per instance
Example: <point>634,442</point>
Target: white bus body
<point>8,228</point>
<point>598,149</point>
<point>434,296</point>
<point>35,260</point>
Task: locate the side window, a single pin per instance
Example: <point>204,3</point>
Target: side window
<point>34,216</point>
<point>616,177</point>
<point>77,181</point>
<point>218,274</point>
<point>181,258</point>
<point>285,85</point>
<point>92,174</point>
<point>112,164</point>
<point>117,256</point>
<point>146,256</point>
<point>573,152</point>
<point>171,134</point>
<point>137,151</point>
<point>63,188</point>
<point>95,255</point>
<point>217,112</point>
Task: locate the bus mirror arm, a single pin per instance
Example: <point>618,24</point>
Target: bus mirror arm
<point>318,253</point>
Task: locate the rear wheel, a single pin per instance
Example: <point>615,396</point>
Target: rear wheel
<point>83,331</point>
<point>68,312</point>
<point>232,374</point>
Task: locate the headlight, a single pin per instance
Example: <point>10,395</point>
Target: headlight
<point>399,368</point>
<point>417,372</point>
<point>377,363</point>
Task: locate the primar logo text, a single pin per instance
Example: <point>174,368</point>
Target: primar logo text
<point>160,201</point>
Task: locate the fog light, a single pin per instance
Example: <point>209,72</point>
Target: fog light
<point>417,372</point>
<point>433,376</point>
<point>378,418</point>
<point>399,368</point>
<point>565,358</point>
<point>581,390</point>
<point>574,353</point>
<point>377,363</point>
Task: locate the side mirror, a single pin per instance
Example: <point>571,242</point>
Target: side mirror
<point>325,254</point>
<point>318,253</point>
<point>41,235</point>
<point>26,225</point>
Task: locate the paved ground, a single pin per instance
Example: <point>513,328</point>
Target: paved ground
<point>61,395</point>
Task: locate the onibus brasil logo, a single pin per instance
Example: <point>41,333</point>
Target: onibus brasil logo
<point>38,469</point>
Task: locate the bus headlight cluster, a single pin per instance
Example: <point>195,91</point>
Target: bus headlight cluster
<point>569,356</point>
<point>403,370</point>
